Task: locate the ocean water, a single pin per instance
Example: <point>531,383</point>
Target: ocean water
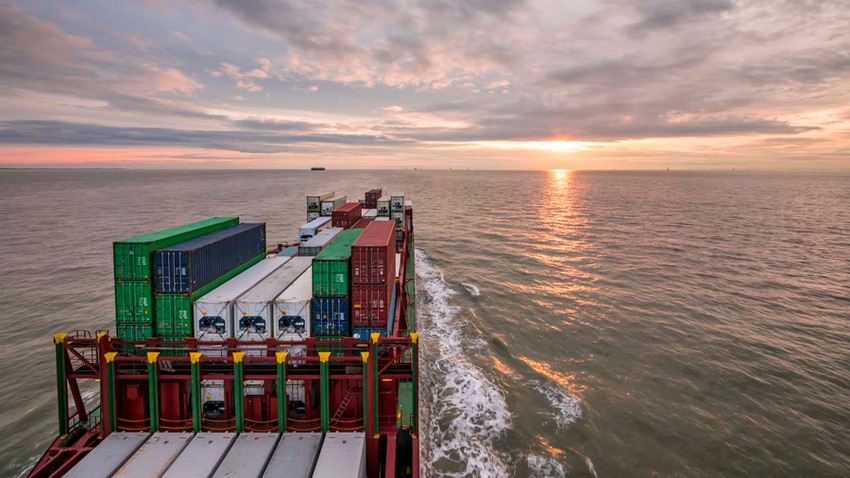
<point>587,324</point>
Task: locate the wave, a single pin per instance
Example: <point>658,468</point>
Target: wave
<point>467,411</point>
<point>567,406</point>
<point>471,288</point>
<point>545,467</point>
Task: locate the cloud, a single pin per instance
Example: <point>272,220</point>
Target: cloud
<point>393,109</point>
<point>669,13</point>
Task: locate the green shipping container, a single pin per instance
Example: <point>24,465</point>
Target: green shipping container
<point>133,302</point>
<point>336,349</point>
<point>174,311</point>
<point>331,266</point>
<point>132,257</point>
<point>134,332</point>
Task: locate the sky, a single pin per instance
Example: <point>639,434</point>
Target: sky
<point>389,84</point>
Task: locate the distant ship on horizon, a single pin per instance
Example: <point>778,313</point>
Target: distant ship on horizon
<point>317,168</point>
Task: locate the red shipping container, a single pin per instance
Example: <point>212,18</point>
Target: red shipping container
<point>373,254</point>
<point>372,198</point>
<point>362,223</point>
<point>370,304</point>
<point>346,215</point>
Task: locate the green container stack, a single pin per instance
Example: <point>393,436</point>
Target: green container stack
<point>331,276</point>
<point>336,345</point>
<point>135,314</point>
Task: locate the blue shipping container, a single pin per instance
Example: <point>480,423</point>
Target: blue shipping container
<point>330,316</point>
<point>188,266</point>
<point>365,333</point>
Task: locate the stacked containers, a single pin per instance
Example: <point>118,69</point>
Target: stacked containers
<point>133,260</point>
<point>254,310</point>
<point>332,287</point>
<point>315,245</point>
<point>187,271</point>
<point>384,207</point>
<point>314,205</point>
<point>331,204</point>
<point>397,215</point>
<point>372,198</point>
<point>347,215</point>
<point>373,276</point>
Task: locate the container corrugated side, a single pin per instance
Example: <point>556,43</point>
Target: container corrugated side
<point>253,310</point>
<point>295,456</point>
<point>109,455</point>
<point>213,313</point>
<point>134,302</point>
<point>202,456</point>
<point>373,255</point>
<point>312,228</point>
<point>188,266</point>
<point>335,344</point>
<point>343,455</point>
<point>155,456</point>
<point>292,309</point>
<point>364,333</point>
<point>314,245</point>
<point>132,258</point>
<point>134,332</point>
<point>331,266</point>
<point>383,207</point>
<point>329,316</point>
<point>372,197</point>
<point>174,311</point>
<point>346,215</point>
<point>370,304</point>
<point>314,201</point>
<point>248,456</point>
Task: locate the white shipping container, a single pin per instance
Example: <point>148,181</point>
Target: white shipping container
<point>292,313</point>
<point>202,456</point>
<point>314,202</point>
<point>370,213</point>
<point>315,245</point>
<point>294,456</point>
<point>397,202</point>
<point>313,215</point>
<point>312,228</point>
<point>343,455</point>
<point>155,456</point>
<point>107,457</point>
<point>398,265</point>
<point>253,310</point>
<point>398,217</point>
<point>213,313</point>
<point>408,205</point>
<point>329,205</point>
<point>248,456</point>
<point>384,207</point>
<point>212,397</point>
<point>383,218</point>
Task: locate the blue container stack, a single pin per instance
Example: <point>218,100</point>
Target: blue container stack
<point>330,316</point>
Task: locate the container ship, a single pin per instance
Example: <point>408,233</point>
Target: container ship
<point>232,359</point>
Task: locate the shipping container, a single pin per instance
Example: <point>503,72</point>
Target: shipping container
<point>290,251</point>
<point>253,311</point>
<point>373,255</point>
<point>212,394</point>
<point>314,202</point>
<point>134,332</point>
<point>315,245</point>
<point>332,204</point>
<point>335,344</point>
<point>384,207</point>
<point>295,456</point>
<point>346,215</point>
<point>133,302</point>
<point>398,217</point>
<point>312,228</point>
<point>370,304</point>
<point>364,333</point>
<point>330,316</point>
<point>248,456</point>
<point>397,202</point>
<point>383,218</point>
<point>312,216</point>
<point>133,257</point>
<point>292,310</point>
<point>202,456</point>
<point>370,213</point>
<point>408,205</point>
<point>173,312</point>
<point>331,266</point>
<point>109,455</point>
<point>343,455</point>
<point>188,266</point>
<point>361,224</point>
<point>372,197</point>
<point>213,312</point>
<point>155,456</point>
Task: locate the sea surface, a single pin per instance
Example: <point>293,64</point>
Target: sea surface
<point>586,324</point>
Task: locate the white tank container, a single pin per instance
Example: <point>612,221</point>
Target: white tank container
<point>254,310</point>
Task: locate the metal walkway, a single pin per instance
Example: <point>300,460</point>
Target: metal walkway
<point>218,455</point>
